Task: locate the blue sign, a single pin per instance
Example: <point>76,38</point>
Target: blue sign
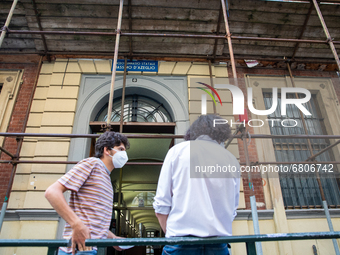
<point>137,65</point>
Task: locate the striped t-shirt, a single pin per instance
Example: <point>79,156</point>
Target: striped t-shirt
<point>91,197</point>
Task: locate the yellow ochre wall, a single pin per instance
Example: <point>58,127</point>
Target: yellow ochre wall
<point>53,111</point>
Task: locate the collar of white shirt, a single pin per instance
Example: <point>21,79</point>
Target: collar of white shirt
<point>206,138</point>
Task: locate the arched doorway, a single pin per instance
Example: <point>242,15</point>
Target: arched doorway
<point>153,105</point>
<point>171,91</point>
<point>137,183</point>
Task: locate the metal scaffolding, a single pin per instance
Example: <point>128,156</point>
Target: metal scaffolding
<point>15,159</point>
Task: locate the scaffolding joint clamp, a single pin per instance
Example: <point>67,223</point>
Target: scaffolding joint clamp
<point>329,40</point>
<point>19,138</point>
<point>242,129</point>
<point>227,36</point>
<point>15,161</point>
<point>4,28</point>
<point>105,127</point>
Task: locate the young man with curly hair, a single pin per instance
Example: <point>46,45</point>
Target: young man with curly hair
<point>88,214</point>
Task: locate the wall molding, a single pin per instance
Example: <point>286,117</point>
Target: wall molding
<point>31,215</point>
<point>51,215</point>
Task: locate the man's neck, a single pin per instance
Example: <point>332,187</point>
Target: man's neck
<point>107,162</point>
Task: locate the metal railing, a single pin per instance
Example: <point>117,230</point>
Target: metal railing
<point>249,240</point>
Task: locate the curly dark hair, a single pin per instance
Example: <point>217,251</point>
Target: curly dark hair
<point>110,139</point>
<point>204,125</point>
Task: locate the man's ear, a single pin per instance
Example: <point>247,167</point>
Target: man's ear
<point>106,150</point>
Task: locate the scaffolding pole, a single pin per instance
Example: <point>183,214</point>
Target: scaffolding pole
<point>233,67</point>
<point>329,38</point>
<point>228,35</point>
<point>118,228</point>
<point>114,65</point>
<point>324,202</point>
<point>8,20</point>
<point>123,98</point>
<point>7,152</point>
<point>203,36</point>
<point>252,197</point>
<point>87,135</point>
<point>14,161</point>
<point>253,136</point>
<point>324,150</point>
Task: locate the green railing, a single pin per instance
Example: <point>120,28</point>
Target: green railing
<point>248,239</point>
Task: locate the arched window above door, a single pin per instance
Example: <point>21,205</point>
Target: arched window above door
<point>136,109</point>
<point>141,114</point>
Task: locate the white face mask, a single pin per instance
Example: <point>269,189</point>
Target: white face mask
<point>119,159</point>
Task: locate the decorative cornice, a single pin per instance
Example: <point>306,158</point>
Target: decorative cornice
<point>311,213</point>
<point>31,215</point>
<point>51,215</point>
<point>262,214</point>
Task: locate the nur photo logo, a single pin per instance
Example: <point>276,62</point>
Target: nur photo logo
<point>238,104</point>
<point>204,97</point>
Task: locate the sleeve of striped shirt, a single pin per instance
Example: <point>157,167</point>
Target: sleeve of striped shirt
<point>76,177</point>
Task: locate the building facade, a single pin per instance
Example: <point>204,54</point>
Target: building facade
<point>68,97</point>
<point>56,85</point>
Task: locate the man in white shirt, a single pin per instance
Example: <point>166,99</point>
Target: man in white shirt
<point>198,188</point>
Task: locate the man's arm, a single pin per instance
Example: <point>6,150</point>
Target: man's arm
<point>163,199</point>
<point>54,194</point>
<point>162,218</point>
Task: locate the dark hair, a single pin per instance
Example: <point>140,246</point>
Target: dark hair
<point>110,139</point>
<point>204,125</point>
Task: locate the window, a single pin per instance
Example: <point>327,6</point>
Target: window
<point>150,234</point>
<point>149,248</point>
<point>9,87</point>
<point>136,109</point>
<point>301,191</point>
<point>143,199</point>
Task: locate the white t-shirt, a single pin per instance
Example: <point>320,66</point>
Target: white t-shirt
<point>198,206</point>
